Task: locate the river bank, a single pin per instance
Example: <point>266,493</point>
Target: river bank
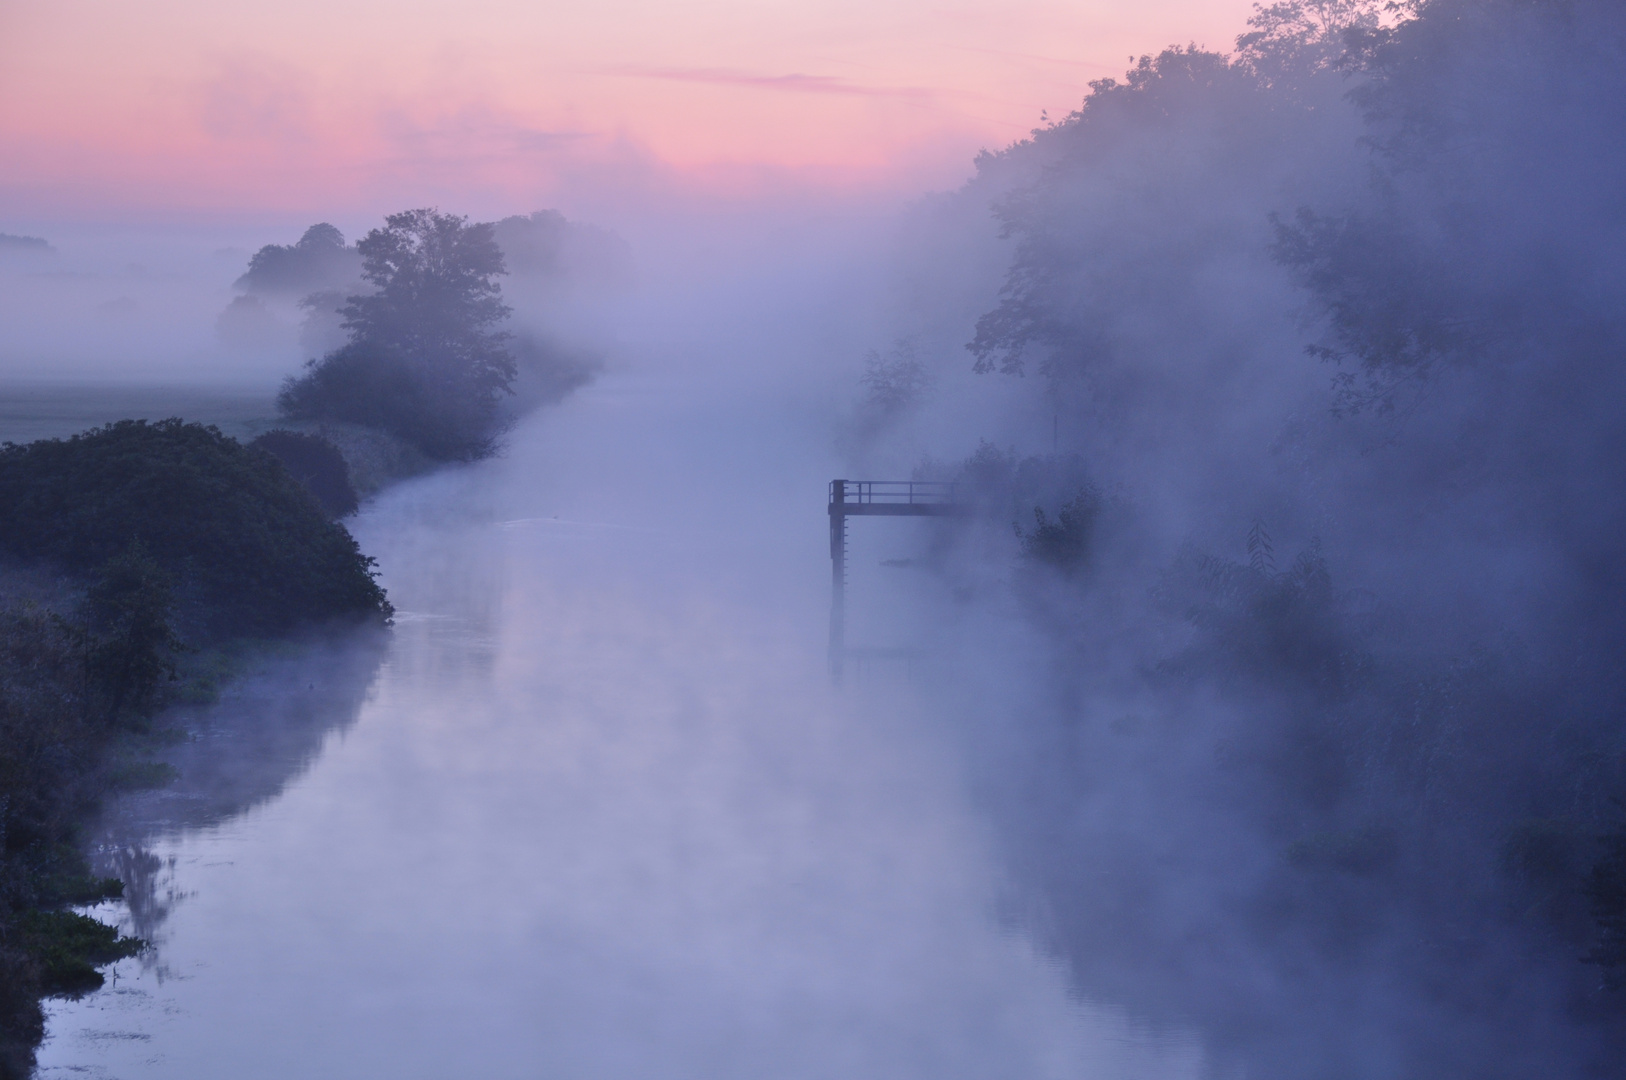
<point>147,566</point>
<point>600,813</point>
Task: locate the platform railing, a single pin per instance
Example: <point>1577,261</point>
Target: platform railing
<point>893,492</point>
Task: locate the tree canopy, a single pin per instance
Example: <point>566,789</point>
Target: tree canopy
<point>249,549</point>
<point>1417,719</point>
<point>315,463</point>
<point>320,260</point>
<point>427,359</point>
<point>436,296</point>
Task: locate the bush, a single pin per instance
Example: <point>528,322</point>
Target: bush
<point>316,464</point>
<point>130,647</point>
<point>22,1021</point>
<point>1065,542</point>
<point>69,947</point>
<point>250,551</point>
<point>46,734</point>
<point>379,387</point>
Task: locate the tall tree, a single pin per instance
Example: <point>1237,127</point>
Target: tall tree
<point>426,359</point>
<point>437,300</point>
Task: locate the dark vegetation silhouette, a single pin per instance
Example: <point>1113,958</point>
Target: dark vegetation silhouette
<point>1063,543</point>
<point>315,273</point>
<point>895,382</point>
<point>160,541</point>
<point>427,360</point>
<point>11,244</point>
<point>69,686</point>
<point>1319,756</point>
<point>546,245</point>
<point>319,261</point>
<point>316,463</point>
<point>250,551</point>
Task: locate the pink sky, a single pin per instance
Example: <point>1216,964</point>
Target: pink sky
<point>187,107</point>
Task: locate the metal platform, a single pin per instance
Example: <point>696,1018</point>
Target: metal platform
<point>875,498</point>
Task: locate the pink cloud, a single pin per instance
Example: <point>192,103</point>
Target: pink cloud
<point>256,98</point>
<point>792,83</point>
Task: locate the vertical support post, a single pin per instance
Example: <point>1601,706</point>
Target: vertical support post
<point>838,578</point>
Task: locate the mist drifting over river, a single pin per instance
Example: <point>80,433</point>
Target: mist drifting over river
<point>602,811</point>
<point>1260,718</point>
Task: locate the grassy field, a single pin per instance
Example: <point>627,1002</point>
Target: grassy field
<point>30,411</point>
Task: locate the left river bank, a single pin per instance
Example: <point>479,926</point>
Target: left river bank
<point>160,581</point>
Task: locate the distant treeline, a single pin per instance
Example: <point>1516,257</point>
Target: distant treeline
<point>1320,745</point>
<point>144,543</point>
<point>32,245</point>
<point>410,327</point>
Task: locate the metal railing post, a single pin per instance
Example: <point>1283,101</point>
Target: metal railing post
<point>838,578</point>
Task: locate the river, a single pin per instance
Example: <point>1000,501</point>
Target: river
<point>595,812</point>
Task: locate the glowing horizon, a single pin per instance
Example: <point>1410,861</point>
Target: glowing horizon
<point>183,108</point>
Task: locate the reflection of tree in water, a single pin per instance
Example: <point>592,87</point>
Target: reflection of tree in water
<point>150,894</point>
<point>239,752</point>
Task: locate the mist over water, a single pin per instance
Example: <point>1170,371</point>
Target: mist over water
<point>601,813</point>
<point>1264,721</point>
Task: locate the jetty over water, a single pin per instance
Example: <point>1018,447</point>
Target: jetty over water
<point>875,498</point>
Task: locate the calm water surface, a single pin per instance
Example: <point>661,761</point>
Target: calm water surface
<point>594,813</point>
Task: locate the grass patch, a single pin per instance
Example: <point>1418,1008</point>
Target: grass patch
<point>69,947</point>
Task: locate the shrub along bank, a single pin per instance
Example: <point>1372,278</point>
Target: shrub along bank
<point>164,538</point>
<point>249,549</point>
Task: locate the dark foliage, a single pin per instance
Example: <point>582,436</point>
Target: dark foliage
<point>1064,543</point>
<point>378,387</point>
<point>70,947</point>
<point>426,361</point>
<point>1259,623</point>
<point>316,464</point>
<point>1606,892</point>
<point>545,245</point>
<point>130,645</point>
<point>534,244</point>
<point>249,551</point>
<point>1475,245</point>
<point>1373,772</point>
<point>22,1021</point>
<point>435,294</point>
<point>53,726</point>
<point>320,260</point>
<point>895,381</point>
<point>48,733</point>
<point>1058,301</point>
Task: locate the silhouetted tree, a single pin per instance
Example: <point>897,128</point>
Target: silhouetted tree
<point>426,360</point>
<point>436,299</point>
<point>320,260</point>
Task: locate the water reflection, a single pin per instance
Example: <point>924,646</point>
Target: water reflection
<point>601,814</point>
<point>232,755</point>
<point>265,731</point>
